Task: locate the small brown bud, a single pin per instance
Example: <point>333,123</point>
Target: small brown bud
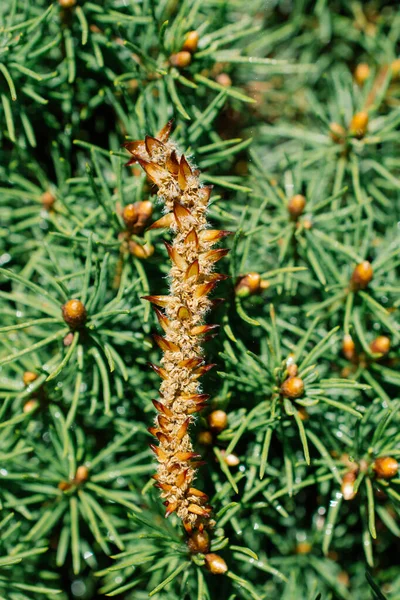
<point>303,548</point>
<point>337,133</point>
<point>362,275</point>
<point>215,564</point>
<point>217,420</point>
<point>362,73</point>
<point>395,68</point>
<point>386,467</point>
<point>69,338</point>
<point>231,459</point>
<point>181,59</point>
<point>296,206</point>
<point>29,377</point>
<point>199,541</point>
<point>191,41</point>
<point>205,438</point>
<point>224,80</point>
<point>130,215</point>
<point>348,347</point>
<point>247,285</point>
<point>140,251</point>
<point>380,345</point>
<point>359,124</point>
<point>30,406</point>
<point>303,414</point>
<point>81,475</point>
<point>144,210</point>
<point>67,3</point>
<point>307,224</point>
<point>74,313</point>
<point>64,486</point>
<point>48,200</point>
<point>292,370</point>
<point>292,388</point>
<point>347,488</point>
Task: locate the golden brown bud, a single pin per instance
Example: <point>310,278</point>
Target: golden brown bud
<point>215,564</point>
<point>145,210</point>
<point>140,251</point>
<point>386,467</point>
<point>81,475</point>
<point>199,541</point>
<point>348,347</point>
<point>362,73</point>
<point>247,285</point>
<point>359,124</point>
<point>292,370</point>
<point>191,41</point>
<point>217,420</point>
<point>64,486</point>
<point>205,438</point>
<point>30,406</point>
<point>362,275</point>
<point>231,459</point>
<point>296,206</point>
<point>380,345</point>
<point>347,488</point>
<point>395,68</point>
<point>74,313</point>
<point>224,80</point>
<point>130,215</point>
<point>67,3</point>
<point>29,377</point>
<point>303,548</point>
<point>48,200</point>
<point>181,59</point>
<point>337,133</point>
<point>292,388</point>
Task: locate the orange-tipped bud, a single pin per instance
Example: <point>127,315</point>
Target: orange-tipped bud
<point>292,388</point>
<point>192,238</point>
<point>191,41</point>
<point>292,370</point>
<point>214,256</point>
<point>362,275</point>
<point>181,213</point>
<point>67,3</point>
<point>182,430</point>
<point>386,467</point>
<point>380,345</point>
<point>224,80</point>
<point>181,59</point>
<point>165,221</point>
<point>30,406</point>
<point>201,329</point>
<point>247,285</point>
<point>347,488</point>
<point>160,454</point>
<point>130,216</point>
<point>231,459</point>
<point>213,235</point>
<point>48,199</point>
<point>161,408</point>
<point>153,145</point>
<point>74,313</point>
<point>215,564</point>
<point>185,456</point>
<point>201,511</point>
<point>303,548</point>
<point>159,370</point>
<point>359,124</point>
<point>64,486</point>
<point>217,420</point>
<point>204,289</point>
<point>296,206</point>
<point>176,258</point>
<point>337,133</point>
<point>140,251</point>
<point>172,506</point>
<point>348,347</point>
<point>162,301</point>
<point>165,345</point>
<point>193,270</point>
<point>82,474</point>
<point>29,377</point>
<point>199,542</point>
<point>362,73</point>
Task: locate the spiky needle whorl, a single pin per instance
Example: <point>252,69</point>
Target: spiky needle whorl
<point>191,280</point>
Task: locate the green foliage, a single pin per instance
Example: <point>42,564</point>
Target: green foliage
<point>264,108</point>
